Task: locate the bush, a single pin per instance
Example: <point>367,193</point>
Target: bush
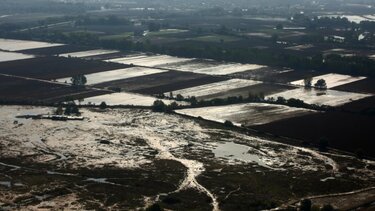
<point>158,106</point>
<point>327,207</point>
<point>228,123</point>
<point>305,205</point>
<point>103,105</point>
<point>72,109</point>
<point>154,207</point>
<point>321,84</point>
<point>179,97</point>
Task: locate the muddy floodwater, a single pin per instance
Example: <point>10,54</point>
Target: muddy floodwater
<point>126,159</point>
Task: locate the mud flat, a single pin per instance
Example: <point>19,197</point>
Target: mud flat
<point>131,158</point>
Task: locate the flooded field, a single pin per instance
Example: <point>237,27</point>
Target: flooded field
<point>332,80</point>
<point>161,82</point>
<point>114,75</point>
<point>148,60</point>
<point>8,56</point>
<point>18,45</point>
<point>320,97</point>
<point>354,18</point>
<point>246,114</point>
<point>214,88</point>
<point>129,159</point>
<point>82,54</point>
<point>123,98</point>
<point>212,67</point>
<point>52,67</point>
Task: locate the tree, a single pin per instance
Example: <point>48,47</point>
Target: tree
<point>321,84</point>
<point>281,100</point>
<point>154,207</point>
<point>179,97</point>
<point>307,82</point>
<point>279,26</point>
<point>305,205</point>
<point>193,100</point>
<point>79,80</point>
<point>72,108</point>
<point>158,106</point>
<point>228,123</point>
<point>327,207</point>
<point>103,105</point>
<point>59,110</point>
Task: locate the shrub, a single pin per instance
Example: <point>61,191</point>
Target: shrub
<point>228,123</point>
<point>103,105</point>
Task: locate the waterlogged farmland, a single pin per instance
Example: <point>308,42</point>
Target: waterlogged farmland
<point>123,98</point>
<point>332,80</point>
<point>147,60</point>
<point>169,157</point>
<point>320,97</point>
<point>18,45</point>
<point>9,56</point>
<point>115,75</point>
<point>211,67</point>
<point>214,88</point>
<point>246,114</point>
<point>82,54</point>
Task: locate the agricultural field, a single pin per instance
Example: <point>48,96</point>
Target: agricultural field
<point>51,67</point>
<point>320,97</point>
<point>261,89</point>
<point>202,91</point>
<point>148,60</point>
<point>10,56</point>
<point>135,158</point>
<point>161,82</point>
<point>17,45</point>
<point>164,32</point>
<point>343,130</point>
<point>211,67</point>
<point>267,74</point>
<point>123,98</point>
<point>332,80</point>
<point>248,114</point>
<point>19,90</point>
<point>362,86</point>
<point>114,75</point>
<point>83,54</point>
<point>216,38</point>
<point>52,51</point>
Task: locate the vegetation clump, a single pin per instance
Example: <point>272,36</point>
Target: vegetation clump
<point>79,80</point>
